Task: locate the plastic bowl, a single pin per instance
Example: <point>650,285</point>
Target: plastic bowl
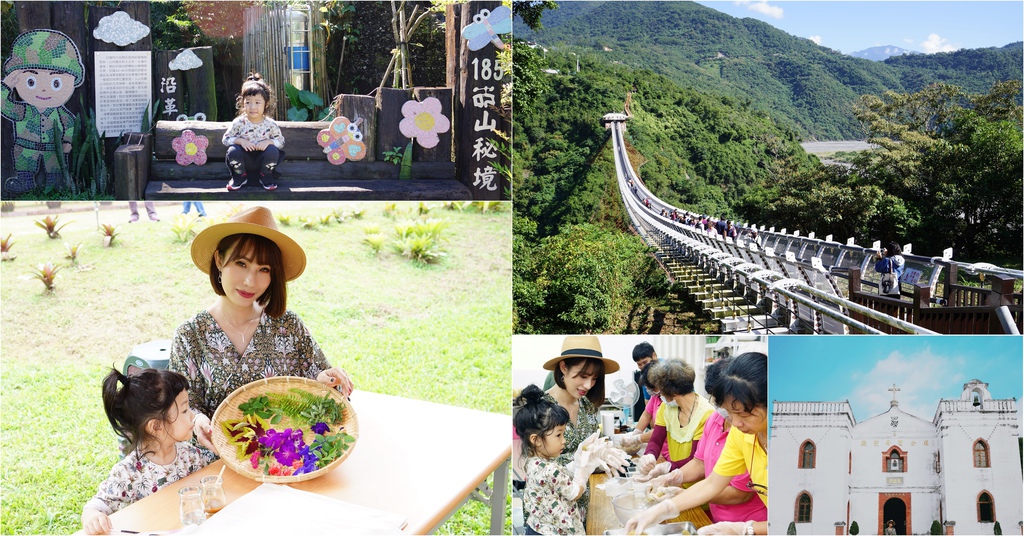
<point>628,505</point>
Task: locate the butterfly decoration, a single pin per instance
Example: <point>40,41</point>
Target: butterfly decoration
<point>486,26</point>
<point>342,141</point>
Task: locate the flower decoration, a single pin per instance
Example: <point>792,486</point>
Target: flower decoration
<point>423,121</point>
<point>191,149</point>
<point>320,428</point>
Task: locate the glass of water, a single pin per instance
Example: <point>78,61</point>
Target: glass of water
<point>191,506</point>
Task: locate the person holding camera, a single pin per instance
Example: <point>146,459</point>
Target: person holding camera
<point>890,263</point>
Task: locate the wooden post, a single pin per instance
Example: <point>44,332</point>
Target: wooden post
<point>478,91</point>
<point>201,86</point>
<point>67,18</point>
<point>389,115</point>
<point>442,152</point>
<point>33,16</point>
<point>951,279</point>
<point>365,107</point>
<point>168,85</point>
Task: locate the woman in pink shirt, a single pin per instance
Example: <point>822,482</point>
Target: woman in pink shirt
<point>736,503</point>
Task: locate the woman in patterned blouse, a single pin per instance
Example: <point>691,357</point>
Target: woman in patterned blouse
<point>579,388</point>
<point>247,333</point>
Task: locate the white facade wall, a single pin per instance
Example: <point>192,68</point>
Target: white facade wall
<point>828,425</point>
<point>960,425</point>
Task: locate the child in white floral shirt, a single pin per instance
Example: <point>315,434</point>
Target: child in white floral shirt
<point>254,141</point>
<point>549,500</point>
<point>151,410</point>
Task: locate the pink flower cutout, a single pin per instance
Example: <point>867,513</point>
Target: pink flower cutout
<point>191,149</point>
<point>423,121</point>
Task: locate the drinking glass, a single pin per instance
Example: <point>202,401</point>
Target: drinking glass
<point>213,494</point>
<point>191,506</point>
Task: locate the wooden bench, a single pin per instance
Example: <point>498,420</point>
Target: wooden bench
<point>144,168</point>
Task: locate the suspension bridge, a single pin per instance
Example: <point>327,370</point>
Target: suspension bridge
<point>770,281</point>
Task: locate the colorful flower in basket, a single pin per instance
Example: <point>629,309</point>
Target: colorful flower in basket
<point>191,149</point>
<point>245,434</point>
<point>423,121</point>
<point>320,428</point>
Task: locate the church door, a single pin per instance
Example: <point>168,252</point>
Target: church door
<point>896,510</point>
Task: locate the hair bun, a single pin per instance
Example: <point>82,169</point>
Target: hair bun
<point>254,77</point>
<point>530,395</point>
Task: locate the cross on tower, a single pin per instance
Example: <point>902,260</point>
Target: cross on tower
<point>893,390</point>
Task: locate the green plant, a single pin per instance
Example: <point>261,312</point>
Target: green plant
<point>5,247</point>
<point>996,529</point>
<point>87,167</point>
<point>303,103</point>
<point>47,273</point>
<point>357,213</point>
<point>854,529</point>
<point>431,227</point>
<point>284,219</point>
<point>309,224</point>
<point>371,229</point>
<point>49,224</point>
<point>420,248</point>
<point>73,252</point>
<point>109,232</point>
<point>184,227</point>
<point>375,241</point>
<point>326,219</point>
<point>936,527</point>
<point>393,155</point>
<point>791,529</point>
<point>424,208</point>
<point>391,209</point>
<point>339,215</point>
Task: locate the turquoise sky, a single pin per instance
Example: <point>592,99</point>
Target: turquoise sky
<point>921,26</point>
<point>861,368</point>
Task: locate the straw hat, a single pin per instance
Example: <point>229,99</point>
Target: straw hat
<point>582,346</point>
<point>258,221</point>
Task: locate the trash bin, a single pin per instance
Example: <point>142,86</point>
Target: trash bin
<point>155,354</point>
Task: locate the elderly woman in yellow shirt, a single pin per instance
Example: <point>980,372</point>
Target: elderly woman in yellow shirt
<point>743,391</point>
<point>679,420</point>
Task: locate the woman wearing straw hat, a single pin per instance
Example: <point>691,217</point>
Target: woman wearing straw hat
<point>247,333</point>
<point>579,388</point>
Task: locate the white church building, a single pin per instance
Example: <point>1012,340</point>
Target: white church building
<point>961,468</point>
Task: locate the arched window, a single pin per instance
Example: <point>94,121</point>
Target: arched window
<point>986,508</point>
<point>895,462</point>
<point>803,508</point>
<point>807,455</point>
<point>981,453</point>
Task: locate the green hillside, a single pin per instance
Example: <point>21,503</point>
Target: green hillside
<point>806,86</point>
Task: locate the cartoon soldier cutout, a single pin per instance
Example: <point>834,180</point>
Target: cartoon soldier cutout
<point>43,71</point>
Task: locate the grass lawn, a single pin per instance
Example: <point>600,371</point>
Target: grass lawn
<point>434,332</point>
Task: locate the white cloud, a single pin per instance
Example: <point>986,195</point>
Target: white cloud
<point>934,43</point>
<point>120,29</point>
<point>185,61</point>
<point>816,39</point>
<point>908,40</point>
<point>919,378</point>
<point>762,7</point>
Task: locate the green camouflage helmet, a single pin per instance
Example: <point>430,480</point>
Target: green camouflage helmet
<point>46,49</point>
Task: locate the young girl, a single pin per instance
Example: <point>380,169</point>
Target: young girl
<point>254,140</point>
<point>551,488</point>
<point>150,410</point>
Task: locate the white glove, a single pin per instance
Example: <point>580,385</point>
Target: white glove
<point>673,478</point>
<point>661,469</point>
<point>664,511</point>
<point>646,463</point>
<point>660,493</point>
<point>630,440</point>
<point>725,527</point>
<point>611,459</point>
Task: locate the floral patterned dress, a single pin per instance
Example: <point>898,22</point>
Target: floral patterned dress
<point>136,477</point>
<point>587,422</point>
<point>549,498</point>
<point>203,353</point>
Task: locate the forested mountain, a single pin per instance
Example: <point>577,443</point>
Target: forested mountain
<point>810,87</point>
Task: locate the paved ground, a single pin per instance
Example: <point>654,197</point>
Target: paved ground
<point>823,147</point>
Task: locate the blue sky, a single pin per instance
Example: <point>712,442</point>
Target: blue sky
<point>933,26</point>
<point>861,369</point>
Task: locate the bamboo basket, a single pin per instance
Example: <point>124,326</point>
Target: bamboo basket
<point>228,410</point>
